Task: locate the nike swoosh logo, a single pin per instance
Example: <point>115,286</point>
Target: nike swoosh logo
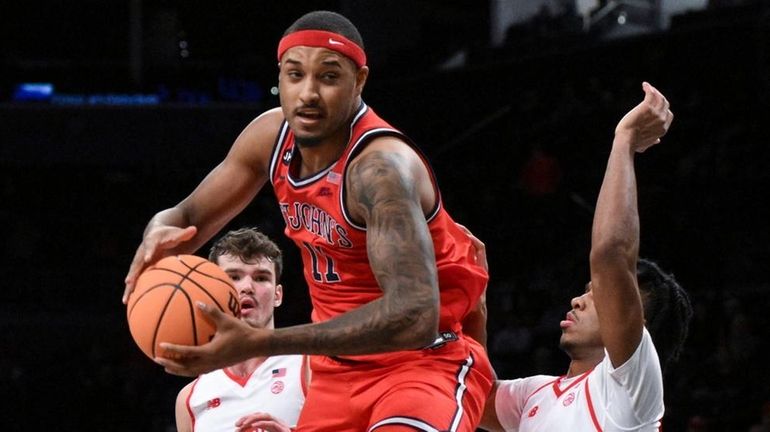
<point>334,42</point>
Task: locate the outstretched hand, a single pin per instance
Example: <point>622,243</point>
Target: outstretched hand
<point>262,422</point>
<point>157,244</point>
<point>234,341</point>
<point>647,122</point>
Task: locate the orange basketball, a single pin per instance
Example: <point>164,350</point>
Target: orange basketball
<point>162,307</point>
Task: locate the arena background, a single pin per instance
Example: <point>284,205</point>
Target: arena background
<point>111,110</point>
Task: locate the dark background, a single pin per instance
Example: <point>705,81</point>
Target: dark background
<point>518,135</point>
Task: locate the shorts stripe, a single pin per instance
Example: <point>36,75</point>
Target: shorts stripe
<point>460,392</point>
<point>423,426</point>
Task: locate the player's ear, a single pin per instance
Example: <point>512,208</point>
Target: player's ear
<point>361,75</point>
<point>278,295</point>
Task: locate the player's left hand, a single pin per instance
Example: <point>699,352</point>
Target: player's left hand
<point>234,341</point>
<point>646,123</point>
<point>262,422</point>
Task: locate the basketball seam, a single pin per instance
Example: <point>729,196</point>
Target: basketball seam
<point>183,275</point>
<point>147,291</point>
<point>206,291</point>
<point>160,318</point>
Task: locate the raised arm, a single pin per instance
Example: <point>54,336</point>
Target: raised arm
<point>615,235</point>
<point>224,193</point>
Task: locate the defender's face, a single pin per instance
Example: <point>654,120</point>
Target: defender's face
<point>319,92</point>
<point>257,289</point>
<point>580,327</point>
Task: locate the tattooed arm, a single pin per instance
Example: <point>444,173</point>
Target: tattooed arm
<point>389,190</point>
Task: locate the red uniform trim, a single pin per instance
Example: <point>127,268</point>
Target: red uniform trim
<point>305,374</point>
<point>540,388</point>
<point>559,391</point>
<point>240,380</point>
<point>591,409</point>
<point>187,402</point>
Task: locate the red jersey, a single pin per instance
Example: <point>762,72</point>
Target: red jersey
<point>333,246</point>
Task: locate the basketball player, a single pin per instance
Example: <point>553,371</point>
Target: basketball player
<point>258,394</point>
<point>391,276</point>
<point>614,381</point>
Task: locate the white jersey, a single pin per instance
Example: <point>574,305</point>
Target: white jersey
<point>629,398</point>
<point>277,387</point>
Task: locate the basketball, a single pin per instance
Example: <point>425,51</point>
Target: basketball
<point>163,308</point>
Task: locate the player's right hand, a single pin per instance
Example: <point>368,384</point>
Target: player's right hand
<point>234,342</point>
<point>157,244</point>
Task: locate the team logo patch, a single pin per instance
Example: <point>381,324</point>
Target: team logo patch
<point>277,387</point>
<point>569,399</point>
<point>213,403</point>
<point>533,411</point>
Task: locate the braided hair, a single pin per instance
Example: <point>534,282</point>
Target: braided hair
<point>667,310</point>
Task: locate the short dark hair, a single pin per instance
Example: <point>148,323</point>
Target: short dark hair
<point>327,21</point>
<point>248,244</point>
<point>667,310</point>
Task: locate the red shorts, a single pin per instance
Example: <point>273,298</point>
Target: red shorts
<point>441,389</point>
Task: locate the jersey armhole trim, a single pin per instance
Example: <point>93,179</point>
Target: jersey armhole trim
<point>275,159</point>
<point>359,146</point>
<point>187,403</point>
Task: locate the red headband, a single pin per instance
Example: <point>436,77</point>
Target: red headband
<point>324,39</point>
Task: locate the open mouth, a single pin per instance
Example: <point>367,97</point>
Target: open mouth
<point>309,114</point>
<point>247,303</point>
